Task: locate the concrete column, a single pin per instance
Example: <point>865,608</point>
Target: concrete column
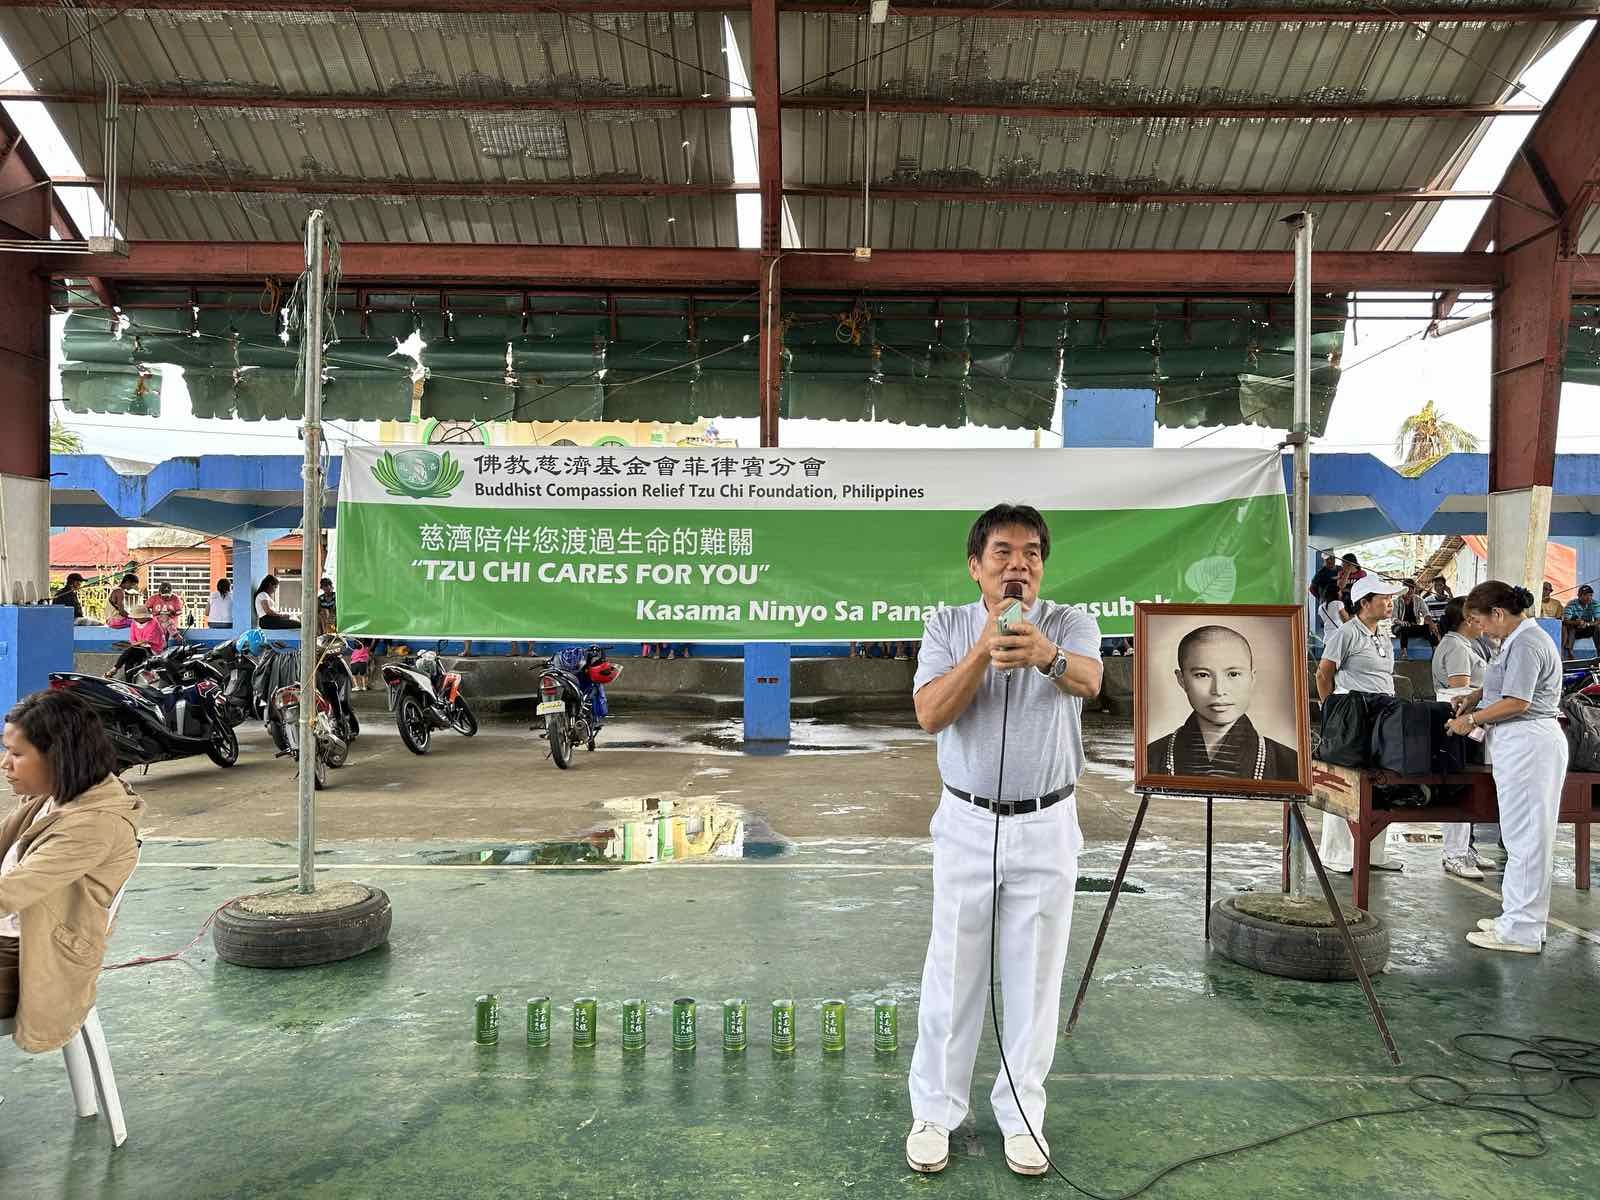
<point>249,568</point>
<point>1519,527</point>
<point>1108,418</point>
<point>34,640</point>
<point>766,692</point>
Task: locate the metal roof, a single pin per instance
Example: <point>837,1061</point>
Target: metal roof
<point>430,56</point>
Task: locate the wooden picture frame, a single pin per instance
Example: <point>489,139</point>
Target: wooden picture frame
<point>1160,697</point>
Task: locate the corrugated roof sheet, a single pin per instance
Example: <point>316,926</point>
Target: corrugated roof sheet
<point>681,54</point>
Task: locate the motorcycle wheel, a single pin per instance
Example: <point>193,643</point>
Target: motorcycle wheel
<point>352,724</point>
<point>413,725</point>
<point>319,770</point>
<point>338,758</point>
<point>223,748</point>
<point>462,719</point>
<point>560,743</point>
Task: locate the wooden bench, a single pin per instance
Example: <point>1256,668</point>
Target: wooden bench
<point>1348,792</point>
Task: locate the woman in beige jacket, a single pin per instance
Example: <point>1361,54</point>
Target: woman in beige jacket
<point>66,848</point>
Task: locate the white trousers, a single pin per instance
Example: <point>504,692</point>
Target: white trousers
<point>1338,848</point>
<point>1457,839</point>
<point>1038,873</point>
<point>1529,761</point>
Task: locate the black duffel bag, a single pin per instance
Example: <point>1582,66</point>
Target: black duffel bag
<point>1583,734</point>
<point>1345,738</point>
<point>1409,738</point>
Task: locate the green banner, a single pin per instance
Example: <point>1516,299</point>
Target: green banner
<point>606,544</point>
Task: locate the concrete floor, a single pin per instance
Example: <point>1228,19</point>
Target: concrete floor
<point>361,1080</point>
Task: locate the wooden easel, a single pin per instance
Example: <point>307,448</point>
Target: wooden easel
<point>1299,822</point>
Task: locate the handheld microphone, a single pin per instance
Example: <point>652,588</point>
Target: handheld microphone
<point>1010,612</point>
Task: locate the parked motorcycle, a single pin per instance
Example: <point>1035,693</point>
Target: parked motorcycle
<point>283,722</point>
<point>277,667</point>
<point>148,725</point>
<point>425,697</point>
<point>143,667</point>
<point>572,699</point>
<point>335,724</point>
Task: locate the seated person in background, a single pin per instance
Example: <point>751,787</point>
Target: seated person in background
<point>1549,606</point>
<point>66,847</point>
<point>1216,670</point>
<point>67,597</point>
<point>267,614</point>
<point>146,630</point>
<point>120,601</point>
<point>1411,618</point>
<point>1579,619</point>
<point>167,607</point>
<point>1435,601</point>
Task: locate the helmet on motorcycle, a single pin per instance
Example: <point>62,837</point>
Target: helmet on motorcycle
<point>428,660</point>
<point>250,641</point>
<point>603,673</point>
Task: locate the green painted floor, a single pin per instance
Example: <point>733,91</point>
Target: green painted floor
<point>360,1080</point>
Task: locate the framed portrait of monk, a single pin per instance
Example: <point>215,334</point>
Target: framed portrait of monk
<point>1220,705</point>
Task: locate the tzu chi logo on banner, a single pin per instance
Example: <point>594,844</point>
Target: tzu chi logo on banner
<point>419,474</point>
<point>722,544</point>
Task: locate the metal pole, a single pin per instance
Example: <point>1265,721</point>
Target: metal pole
<point>1300,439</point>
<point>311,533</point>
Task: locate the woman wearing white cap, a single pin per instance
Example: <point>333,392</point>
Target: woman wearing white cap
<point>1357,658</point>
<point>1520,697</point>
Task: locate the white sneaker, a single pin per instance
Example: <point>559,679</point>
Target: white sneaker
<point>1484,862</point>
<point>1394,864</point>
<point>1490,926</point>
<point>1462,866</point>
<point>1024,1156</point>
<point>927,1147</point>
<point>1491,941</point>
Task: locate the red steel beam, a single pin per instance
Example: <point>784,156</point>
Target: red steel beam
<point>1057,272</point>
<point>363,101</point>
<point>358,7</point>
<point>369,102</point>
<point>1266,13</point>
<point>1286,110</point>
<point>536,189</point>
<point>1001,196</point>
<point>771,213</point>
<point>1541,201</point>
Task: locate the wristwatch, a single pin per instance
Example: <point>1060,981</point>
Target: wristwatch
<point>1058,667</point>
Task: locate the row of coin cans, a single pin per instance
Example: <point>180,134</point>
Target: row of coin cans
<point>735,1023</point>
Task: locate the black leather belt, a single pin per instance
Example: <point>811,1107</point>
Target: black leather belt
<point>1013,808</point>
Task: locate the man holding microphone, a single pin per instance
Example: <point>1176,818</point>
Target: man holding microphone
<point>1051,656</point>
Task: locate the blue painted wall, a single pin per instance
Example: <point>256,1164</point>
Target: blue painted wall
<point>34,641</point>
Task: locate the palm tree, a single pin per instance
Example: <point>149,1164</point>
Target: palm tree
<point>1423,439</point>
<point>64,440</point>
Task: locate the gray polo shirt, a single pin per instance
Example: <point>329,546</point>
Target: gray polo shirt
<point>1528,667</point>
<point>1044,736</point>
<point>1457,656</point>
<point>1364,660</point>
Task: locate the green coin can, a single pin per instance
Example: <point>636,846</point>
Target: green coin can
<point>539,1021</point>
<point>583,1021</point>
<point>783,1026</point>
<point>633,1024</point>
<point>486,1020</point>
<point>683,1023</point>
<point>886,1025</point>
<point>833,1025</point>
<point>735,1022</point>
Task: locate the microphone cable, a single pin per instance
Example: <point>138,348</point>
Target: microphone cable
<point>1541,1066</point>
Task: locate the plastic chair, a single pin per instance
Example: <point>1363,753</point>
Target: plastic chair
<point>88,1059</point>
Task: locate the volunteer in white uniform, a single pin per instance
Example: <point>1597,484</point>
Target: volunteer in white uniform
<point>1458,665</point>
<point>1520,701</point>
<point>1357,658</point>
<point>1053,662</point>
